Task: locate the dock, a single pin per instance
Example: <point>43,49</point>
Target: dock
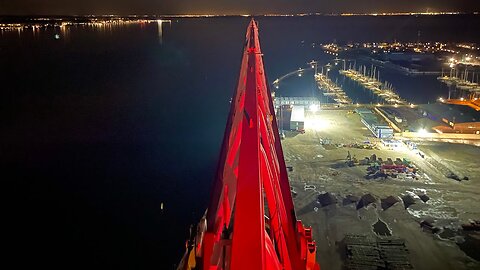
<point>372,82</point>
<point>331,89</point>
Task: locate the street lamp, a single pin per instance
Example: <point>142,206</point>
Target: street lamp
<point>422,131</point>
<point>314,65</point>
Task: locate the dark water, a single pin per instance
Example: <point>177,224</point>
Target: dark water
<point>102,126</point>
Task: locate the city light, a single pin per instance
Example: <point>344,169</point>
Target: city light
<point>313,108</point>
<point>422,131</point>
<point>317,124</point>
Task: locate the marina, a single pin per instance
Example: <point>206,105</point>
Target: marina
<point>371,80</point>
<point>463,81</point>
<point>331,89</point>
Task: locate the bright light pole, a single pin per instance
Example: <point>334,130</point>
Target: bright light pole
<point>314,65</point>
<point>313,108</point>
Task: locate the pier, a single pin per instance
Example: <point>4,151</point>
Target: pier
<point>462,81</point>
<point>372,82</point>
<point>331,89</point>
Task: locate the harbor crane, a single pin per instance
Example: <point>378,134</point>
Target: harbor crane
<point>250,222</point>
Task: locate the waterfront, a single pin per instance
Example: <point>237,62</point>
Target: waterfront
<point>319,167</point>
<point>104,125</point>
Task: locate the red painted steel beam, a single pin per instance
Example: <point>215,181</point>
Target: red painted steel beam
<point>251,222</point>
<point>248,243</point>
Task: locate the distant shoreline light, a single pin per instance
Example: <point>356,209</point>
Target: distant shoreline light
<point>249,15</point>
<point>100,20</point>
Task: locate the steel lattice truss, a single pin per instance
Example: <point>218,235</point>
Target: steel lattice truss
<point>251,222</point>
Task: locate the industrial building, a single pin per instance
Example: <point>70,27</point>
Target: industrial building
<point>297,120</point>
<point>392,144</point>
<point>379,128</point>
<point>452,118</point>
<point>291,117</point>
<point>304,101</point>
<point>291,111</point>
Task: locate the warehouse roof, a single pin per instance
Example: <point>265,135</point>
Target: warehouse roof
<point>298,114</point>
<point>457,113</point>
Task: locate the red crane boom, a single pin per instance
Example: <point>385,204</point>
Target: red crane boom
<point>251,222</point>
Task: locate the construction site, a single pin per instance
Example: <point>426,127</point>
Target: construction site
<point>381,202</point>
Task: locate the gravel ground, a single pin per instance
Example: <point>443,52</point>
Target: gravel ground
<point>318,158</point>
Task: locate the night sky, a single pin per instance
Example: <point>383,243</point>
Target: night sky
<point>103,126</point>
<point>123,7</point>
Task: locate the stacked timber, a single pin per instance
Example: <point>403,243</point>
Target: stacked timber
<point>394,252</point>
<point>366,252</point>
<point>362,253</point>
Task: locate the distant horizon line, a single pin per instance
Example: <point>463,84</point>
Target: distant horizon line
<point>346,14</point>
